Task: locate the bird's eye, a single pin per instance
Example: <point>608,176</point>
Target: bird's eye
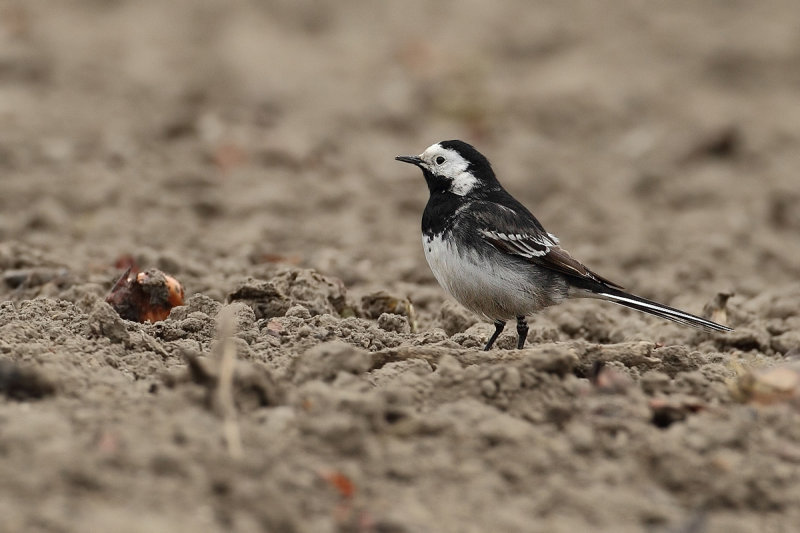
<point>439,160</point>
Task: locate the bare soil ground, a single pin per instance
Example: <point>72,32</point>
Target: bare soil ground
<point>247,149</point>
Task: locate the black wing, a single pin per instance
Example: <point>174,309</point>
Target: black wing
<point>515,231</point>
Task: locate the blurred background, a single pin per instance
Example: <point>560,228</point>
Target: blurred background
<point>224,139</point>
<point>212,136</point>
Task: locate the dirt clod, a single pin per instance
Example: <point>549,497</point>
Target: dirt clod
<point>326,360</point>
<point>20,382</point>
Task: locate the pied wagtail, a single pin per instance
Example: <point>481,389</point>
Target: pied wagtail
<point>492,255</point>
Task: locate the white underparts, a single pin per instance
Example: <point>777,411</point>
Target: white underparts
<point>497,290</point>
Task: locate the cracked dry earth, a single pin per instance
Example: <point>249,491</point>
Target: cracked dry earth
<point>317,379</point>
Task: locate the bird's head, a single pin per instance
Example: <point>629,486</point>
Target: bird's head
<point>455,167</point>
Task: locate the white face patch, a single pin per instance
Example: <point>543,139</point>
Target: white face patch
<point>449,164</point>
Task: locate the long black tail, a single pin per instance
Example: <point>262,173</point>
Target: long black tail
<point>664,311</point>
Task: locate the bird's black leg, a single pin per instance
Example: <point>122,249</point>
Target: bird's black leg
<point>499,325</point>
<point>522,332</point>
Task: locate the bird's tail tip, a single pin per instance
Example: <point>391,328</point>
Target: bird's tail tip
<point>660,310</point>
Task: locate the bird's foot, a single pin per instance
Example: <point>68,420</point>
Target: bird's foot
<point>522,332</point>
<point>499,325</point>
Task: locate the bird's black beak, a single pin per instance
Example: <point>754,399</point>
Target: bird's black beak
<point>414,160</point>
